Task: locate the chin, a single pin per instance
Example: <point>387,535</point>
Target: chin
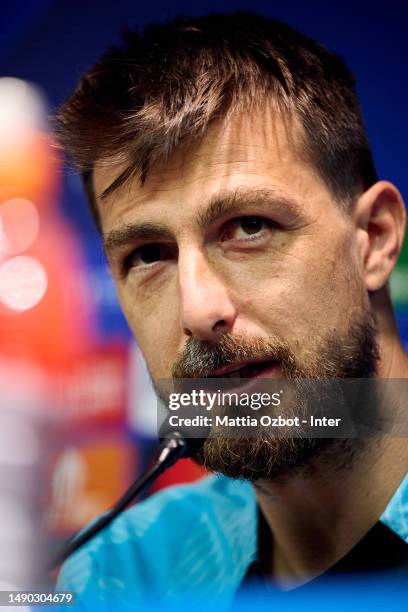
<point>269,459</point>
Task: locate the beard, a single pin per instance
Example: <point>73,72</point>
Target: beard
<point>353,354</point>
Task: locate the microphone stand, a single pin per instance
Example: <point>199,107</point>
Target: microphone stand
<point>172,448</point>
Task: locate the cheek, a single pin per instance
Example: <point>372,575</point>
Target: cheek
<point>302,294</point>
<point>156,329</point>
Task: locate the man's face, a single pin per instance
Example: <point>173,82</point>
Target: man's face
<point>236,237</point>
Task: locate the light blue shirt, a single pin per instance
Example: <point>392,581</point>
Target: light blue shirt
<point>189,543</point>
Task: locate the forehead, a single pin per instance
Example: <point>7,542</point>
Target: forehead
<point>260,150</point>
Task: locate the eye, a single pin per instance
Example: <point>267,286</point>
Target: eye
<point>146,255</point>
<point>245,227</point>
<point>252,225</point>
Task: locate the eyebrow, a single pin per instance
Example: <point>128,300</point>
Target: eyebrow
<point>219,206</point>
<point>224,203</point>
<point>133,232</point>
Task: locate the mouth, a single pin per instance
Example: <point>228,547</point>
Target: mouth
<point>248,369</point>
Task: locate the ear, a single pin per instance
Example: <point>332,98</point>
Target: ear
<point>380,218</point>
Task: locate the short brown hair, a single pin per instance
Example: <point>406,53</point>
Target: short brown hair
<point>166,85</point>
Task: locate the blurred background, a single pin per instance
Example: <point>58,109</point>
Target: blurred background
<point>77,412</point>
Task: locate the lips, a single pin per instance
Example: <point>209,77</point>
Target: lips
<point>244,370</point>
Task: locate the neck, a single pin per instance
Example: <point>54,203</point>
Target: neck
<point>317,518</point>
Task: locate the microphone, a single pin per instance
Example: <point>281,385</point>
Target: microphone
<point>173,445</point>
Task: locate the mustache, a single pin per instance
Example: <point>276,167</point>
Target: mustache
<point>199,358</point>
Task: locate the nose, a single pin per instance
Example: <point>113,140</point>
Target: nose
<point>206,307</point>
